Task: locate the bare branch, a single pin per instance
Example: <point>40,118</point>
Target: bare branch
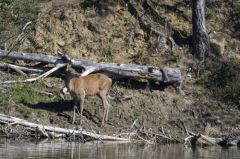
<point>39,77</point>
<point>21,68</point>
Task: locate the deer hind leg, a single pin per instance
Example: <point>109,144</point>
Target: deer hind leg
<point>74,110</point>
<point>82,98</point>
<point>105,106</point>
<point>108,105</point>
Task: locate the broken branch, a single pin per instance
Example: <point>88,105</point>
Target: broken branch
<point>21,68</point>
<point>39,77</point>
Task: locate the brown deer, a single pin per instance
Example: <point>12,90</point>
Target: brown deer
<point>80,86</point>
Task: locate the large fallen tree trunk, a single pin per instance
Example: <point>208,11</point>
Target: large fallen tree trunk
<point>162,74</point>
<point>50,131</point>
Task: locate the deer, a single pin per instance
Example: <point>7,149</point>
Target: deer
<point>92,84</point>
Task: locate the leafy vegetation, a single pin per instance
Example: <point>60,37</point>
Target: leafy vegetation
<point>225,82</point>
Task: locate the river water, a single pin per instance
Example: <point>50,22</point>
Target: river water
<point>109,150</point>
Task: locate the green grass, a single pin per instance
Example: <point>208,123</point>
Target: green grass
<point>19,95</point>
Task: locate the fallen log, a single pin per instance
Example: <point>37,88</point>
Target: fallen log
<point>161,74</point>
<point>48,131</point>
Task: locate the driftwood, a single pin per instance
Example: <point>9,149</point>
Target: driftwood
<point>199,139</point>
<point>161,74</point>
<point>53,132</point>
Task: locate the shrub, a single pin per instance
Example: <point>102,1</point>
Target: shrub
<point>225,82</point>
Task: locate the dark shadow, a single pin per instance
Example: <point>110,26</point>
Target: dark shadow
<point>141,85</point>
<point>236,33</point>
<point>101,7</point>
<point>60,106</point>
<point>57,107</point>
<point>181,39</point>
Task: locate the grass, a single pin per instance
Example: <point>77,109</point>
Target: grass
<point>20,95</point>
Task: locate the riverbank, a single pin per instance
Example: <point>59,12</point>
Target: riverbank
<point>110,33</point>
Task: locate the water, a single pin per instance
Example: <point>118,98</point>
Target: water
<point>109,150</point>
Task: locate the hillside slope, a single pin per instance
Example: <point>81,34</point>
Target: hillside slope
<point>109,31</point>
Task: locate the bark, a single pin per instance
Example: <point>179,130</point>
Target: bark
<point>200,36</point>
<point>162,74</point>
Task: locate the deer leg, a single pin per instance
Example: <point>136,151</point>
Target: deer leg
<point>81,106</point>
<point>108,105</point>
<point>100,107</point>
<point>74,111</point>
<point>104,99</point>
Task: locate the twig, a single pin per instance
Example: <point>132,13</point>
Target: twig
<point>134,123</point>
<point>47,93</point>
<point>26,25</point>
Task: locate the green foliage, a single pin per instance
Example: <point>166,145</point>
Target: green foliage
<point>225,82</point>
